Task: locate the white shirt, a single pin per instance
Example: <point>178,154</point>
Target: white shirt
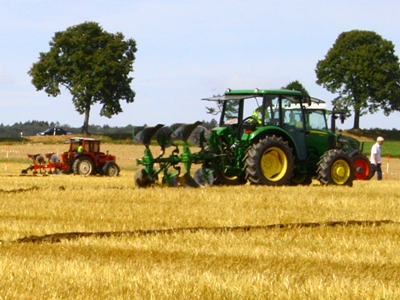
<point>376,149</point>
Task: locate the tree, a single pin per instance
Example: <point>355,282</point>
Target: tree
<point>93,65</point>
<point>363,69</point>
<point>297,86</point>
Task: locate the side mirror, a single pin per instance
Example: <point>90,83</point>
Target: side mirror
<point>308,100</point>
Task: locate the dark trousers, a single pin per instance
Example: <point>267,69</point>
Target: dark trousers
<point>378,171</point>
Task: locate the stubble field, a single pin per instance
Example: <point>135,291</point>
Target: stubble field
<point>66,236</point>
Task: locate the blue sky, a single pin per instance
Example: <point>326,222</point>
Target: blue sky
<point>187,50</point>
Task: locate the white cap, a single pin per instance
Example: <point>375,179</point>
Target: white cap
<point>380,139</point>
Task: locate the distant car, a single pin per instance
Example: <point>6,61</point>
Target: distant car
<point>54,131</point>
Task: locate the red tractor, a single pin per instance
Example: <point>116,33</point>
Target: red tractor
<point>82,158</point>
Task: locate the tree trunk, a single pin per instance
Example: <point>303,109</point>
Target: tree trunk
<point>85,127</point>
<point>356,124</point>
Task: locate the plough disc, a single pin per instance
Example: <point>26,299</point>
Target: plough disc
<point>187,181</point>
<point>184,131</point>
<point>200,136</point>
<point>204,178</point>
<point>142,178</point>
<point>145,135</point>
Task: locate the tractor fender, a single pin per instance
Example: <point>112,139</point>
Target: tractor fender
<point>261,133</point>
<point>86,155</point>
<point>353,152</point>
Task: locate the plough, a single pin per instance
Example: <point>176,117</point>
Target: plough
<point>148,173</point>
<point>41,166</point>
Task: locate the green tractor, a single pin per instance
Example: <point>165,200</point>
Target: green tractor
<point>317,112</point>
<point>264,137</point>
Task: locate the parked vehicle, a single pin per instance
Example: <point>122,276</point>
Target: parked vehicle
<point>54,131</point>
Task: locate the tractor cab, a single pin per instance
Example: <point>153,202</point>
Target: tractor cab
<point>88,144</point>
<point>253,114</point>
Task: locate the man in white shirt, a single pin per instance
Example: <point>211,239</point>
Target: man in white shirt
<point>376,158</point>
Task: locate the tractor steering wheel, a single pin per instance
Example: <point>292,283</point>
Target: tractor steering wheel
<point>253,119</point>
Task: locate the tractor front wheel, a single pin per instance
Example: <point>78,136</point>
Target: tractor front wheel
<point>270,162</point>
<point>83,166</point>
<point>335,167</point>
<point>111,169</point>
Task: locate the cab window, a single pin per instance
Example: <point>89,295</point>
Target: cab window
<point>316,120</point>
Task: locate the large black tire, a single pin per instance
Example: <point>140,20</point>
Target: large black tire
<point>142,178</point>
<point>269,162</point>
<point>111,169</point>
<point>83,166</point>
<point>362,167</point>
<point>335,167</point>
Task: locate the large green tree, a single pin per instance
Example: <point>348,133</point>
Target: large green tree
<point>363,70</point>
<point>92,64</point>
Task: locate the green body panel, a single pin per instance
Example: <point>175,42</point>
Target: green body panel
<point>320,141</point>
<point>348,144</point>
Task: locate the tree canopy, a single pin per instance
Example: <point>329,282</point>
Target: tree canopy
<point>297,86</point>
<point>362,68</point>
<point>92,64</point>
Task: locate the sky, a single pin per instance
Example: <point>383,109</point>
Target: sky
<point>187,50</point>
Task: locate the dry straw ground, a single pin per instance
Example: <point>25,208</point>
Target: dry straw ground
<point>348,261</point>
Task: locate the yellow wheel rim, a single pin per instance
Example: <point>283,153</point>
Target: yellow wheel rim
<point>274,164</point>
<point>340,171</point>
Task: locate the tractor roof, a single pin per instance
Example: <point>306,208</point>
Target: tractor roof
<point>245,94</point>
<point>78,139</point>
<point>260,92</point>
<point>316,104</point>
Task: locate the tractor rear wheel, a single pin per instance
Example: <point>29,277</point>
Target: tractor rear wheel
<point>362,167</point>
<point>142,178</point>
<point>83,166</point>
<point>335,167</point>
<point>270,162</point>
<point>111,169</point>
